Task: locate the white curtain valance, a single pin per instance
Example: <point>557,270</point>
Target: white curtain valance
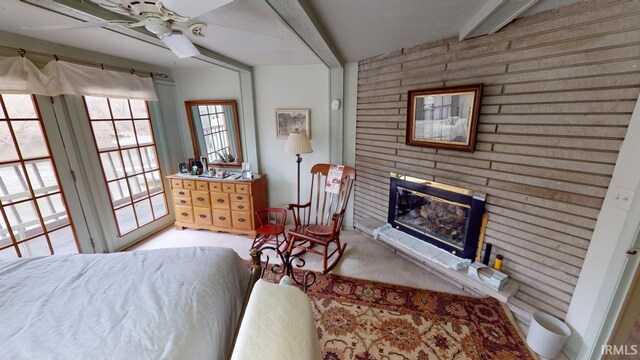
<point>18,75</point>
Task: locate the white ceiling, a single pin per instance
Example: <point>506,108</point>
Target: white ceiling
<point>281,47</point>
<point>358,28</point>
<point>364,28</point>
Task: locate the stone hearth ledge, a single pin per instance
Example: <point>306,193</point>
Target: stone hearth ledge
<point>456,277</point>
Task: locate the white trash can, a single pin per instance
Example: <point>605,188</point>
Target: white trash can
<point>547,335</point>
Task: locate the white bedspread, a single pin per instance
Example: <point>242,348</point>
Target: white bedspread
<point>159,304</point>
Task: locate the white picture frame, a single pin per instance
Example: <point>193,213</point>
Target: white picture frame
<point>292,120</point>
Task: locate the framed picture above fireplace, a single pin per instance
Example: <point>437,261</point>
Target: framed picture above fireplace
<point>444,118</point>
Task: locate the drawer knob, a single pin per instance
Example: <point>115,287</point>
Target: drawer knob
<point>239,197</point>
<point>240,206</point>
<point>183,201</point>
<point>181,192</point>
<point>220,201</point>
<point>200,198</point>
<point>184,214</point>
<point>241,220</point>
<point>202,216</point>
<point>222,218</point>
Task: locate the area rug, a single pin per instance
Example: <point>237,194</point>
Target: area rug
<point>367,320</point>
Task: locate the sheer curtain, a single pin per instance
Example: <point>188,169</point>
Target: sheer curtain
<point>18,75</point>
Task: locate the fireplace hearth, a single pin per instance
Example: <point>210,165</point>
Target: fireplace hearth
<point>446,216</point>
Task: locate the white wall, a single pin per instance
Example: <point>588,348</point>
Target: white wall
<point>349,119</point>
<point>293,87</point>
<point>206,83</point>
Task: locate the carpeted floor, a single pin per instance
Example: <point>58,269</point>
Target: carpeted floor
<point>367,320</point>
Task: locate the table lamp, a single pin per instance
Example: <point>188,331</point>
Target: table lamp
<point>298,143</point>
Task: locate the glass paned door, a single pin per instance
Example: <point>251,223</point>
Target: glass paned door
<point>33,212</point>
<point>128,156</point>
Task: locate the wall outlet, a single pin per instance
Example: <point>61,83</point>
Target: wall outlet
<point>622,197</point>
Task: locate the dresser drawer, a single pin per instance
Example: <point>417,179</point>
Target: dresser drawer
<point>215,187</point>
<point>240,206</point>
<point>184,214</point>
<point>242,189</point>
<point>228,188</point>
<point>221,218</point>
<point>189,184</point>
<point>200,198</point>
<point>202,215</point>
<point>240,198</point>
<point>202,185</point>
<point>181,193</point>
<point>176,184</point>
<point>220,201</point>
<point>241,219</point>
<point>182,201</point>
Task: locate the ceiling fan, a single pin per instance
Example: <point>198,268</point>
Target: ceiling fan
<point>169,20</point>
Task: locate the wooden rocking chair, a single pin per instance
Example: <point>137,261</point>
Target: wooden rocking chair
<point>318,222</point>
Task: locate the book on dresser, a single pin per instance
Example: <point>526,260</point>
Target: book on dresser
<point>218,204</point>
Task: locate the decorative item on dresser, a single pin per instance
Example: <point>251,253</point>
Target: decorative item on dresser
<point>217,204</point>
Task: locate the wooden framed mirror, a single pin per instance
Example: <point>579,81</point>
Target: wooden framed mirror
<point>215,132</point>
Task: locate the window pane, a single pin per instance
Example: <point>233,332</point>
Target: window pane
<point>24,220</point>
<point>119,192</point>
<point>139,109</point>
<point>138,187</point>
<point>98,108</point>
<point>7,147</point>
<point>143,211</point>
<point>126,136</point>
<point>53,211</point>
<point>8,253</point>
<point>63,241</point>
<point>105,135</point>
<point>35,247</point>
<point>159,206</point>
<point>20,106</point>
<point>5,238</point>
<point>2,116</point>
<point>30,139</point>
<point>149,158</point>
<point>126,219</point>
<point>154,182</point>
<point>120,108</point>
<point>132,162</point>
<point>112,165</point>
<point>42,177</point>
<point>143,131</point>
<point>13,184</point>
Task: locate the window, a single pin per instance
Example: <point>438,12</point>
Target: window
<point>124,139</point>
<point>216,133</point>
<point>34,219</point>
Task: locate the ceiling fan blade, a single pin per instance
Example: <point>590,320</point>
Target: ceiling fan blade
<point>246,31</point>
<point>84,25</point>
<point>193,8</point>
<point>180,45</point>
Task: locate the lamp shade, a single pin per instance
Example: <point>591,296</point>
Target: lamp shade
<point>298,143</point>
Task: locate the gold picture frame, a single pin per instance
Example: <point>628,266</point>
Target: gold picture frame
<point>444,118</point>
<point>292,120</point>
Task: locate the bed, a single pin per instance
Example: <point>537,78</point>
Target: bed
<point>159,304</point>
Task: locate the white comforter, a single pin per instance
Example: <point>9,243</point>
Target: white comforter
<point>158,304</point>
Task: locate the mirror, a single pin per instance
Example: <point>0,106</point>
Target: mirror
<point>215,133</point>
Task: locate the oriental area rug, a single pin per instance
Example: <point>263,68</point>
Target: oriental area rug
<point>367,320</point>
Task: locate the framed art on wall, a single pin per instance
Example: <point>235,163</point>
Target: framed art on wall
<point>444,118</point>
<point>292,120</point>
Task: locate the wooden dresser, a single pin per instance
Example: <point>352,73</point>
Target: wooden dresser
<point>218,205</point>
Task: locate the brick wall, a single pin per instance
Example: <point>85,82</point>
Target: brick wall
<point>559,89</point>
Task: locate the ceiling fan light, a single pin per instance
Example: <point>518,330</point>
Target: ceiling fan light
<point>180,45</point>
